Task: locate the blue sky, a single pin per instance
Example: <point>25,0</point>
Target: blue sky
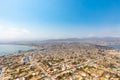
<point>47,19</point>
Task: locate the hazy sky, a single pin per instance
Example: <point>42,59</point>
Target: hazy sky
<point>48,19</point>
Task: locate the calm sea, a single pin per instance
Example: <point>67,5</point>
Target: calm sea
<point>115,46</point>
<point>7,49</point>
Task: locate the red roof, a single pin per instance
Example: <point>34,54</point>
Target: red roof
<point>22,78</point>
<point>6,78</point>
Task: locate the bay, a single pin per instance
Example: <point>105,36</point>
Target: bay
<point>7,49</point>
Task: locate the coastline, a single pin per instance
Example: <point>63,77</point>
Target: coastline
<point>61,60</point>
<point>21,51</point>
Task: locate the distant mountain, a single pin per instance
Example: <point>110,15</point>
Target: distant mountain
<point>102,38</point>
<point>95,40</point>
<point>85,39</point>
<point>103,41</point>
<point>62,40</point>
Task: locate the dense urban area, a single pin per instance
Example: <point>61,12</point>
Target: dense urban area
<point>62,61</point>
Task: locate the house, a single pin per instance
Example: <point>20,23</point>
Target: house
<point>22,78</point>
<point>25,59</point>
<point>6,78</point>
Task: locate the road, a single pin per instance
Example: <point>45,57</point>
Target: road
<point>1,76</point>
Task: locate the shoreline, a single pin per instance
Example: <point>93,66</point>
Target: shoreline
<point>22,51</point>
<point>61,60</point>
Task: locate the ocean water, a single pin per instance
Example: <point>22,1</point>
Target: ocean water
<point>115,46</point>
<point>8,49</point>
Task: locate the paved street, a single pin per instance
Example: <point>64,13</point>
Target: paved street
<point>1,76</point>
